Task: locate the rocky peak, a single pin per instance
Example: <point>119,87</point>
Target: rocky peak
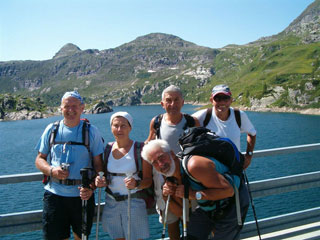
<point>307,25</point>
<point>67,50</point>
<point>161,40</point>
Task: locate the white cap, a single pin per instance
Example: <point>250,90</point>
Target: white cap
<point>74,94</point>
<point>122,114</point>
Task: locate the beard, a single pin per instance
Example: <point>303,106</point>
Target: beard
<point>172,168</point>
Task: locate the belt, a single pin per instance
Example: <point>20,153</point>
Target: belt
<point>69,182</point>
<point>118,174</point>
<point>119,198</point>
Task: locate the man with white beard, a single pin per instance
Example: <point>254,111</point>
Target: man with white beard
<point>209,185</point>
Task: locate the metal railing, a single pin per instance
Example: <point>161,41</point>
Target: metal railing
<point>14,223</point>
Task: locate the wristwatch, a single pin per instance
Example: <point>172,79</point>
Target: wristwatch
<point>250,153</point>
<point>198,195</point>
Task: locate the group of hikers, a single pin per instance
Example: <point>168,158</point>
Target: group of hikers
<point>198,191</point>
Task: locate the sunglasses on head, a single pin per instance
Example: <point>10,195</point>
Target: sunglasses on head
<point>222,97</point>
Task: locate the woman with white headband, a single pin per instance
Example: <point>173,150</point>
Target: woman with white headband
<point>124,214</point>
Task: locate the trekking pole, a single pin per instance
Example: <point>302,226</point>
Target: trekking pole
<point>184,204</point>
<point>252,204</point>
<point>85,184</point>
<point>165,218</point>
<point>129,175</point>
<point>184,201</point>
<point>98,211</point>
<point>175,181</point>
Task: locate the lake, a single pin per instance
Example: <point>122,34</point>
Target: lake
<point>17,155</point>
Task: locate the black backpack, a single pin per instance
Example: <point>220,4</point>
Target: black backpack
<point>201,141</point>
<point>190,122</point>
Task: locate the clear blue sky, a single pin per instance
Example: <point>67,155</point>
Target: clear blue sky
<point>37,29</point>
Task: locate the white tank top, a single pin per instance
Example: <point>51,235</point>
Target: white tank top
<point>125,165</point>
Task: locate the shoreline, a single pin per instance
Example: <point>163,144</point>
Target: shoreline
<point>307,111</point>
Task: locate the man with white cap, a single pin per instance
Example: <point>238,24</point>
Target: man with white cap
<point>226,121</point>
<point>69,152</point>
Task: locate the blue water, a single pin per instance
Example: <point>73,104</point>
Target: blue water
<point>17,155</point>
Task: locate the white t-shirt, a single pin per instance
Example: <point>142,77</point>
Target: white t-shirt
<point>228,128</point>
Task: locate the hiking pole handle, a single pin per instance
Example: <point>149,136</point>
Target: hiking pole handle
<point>98,210</point>
<point>85,182</point>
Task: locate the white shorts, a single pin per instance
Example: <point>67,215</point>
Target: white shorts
<point>115,218</point>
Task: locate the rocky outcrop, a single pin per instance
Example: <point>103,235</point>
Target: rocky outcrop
<point>22,115</point>
<point>295,97</point>
<point>100,107</point>
<point>307,25</point>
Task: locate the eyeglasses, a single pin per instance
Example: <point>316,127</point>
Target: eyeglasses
<point>220,98</point>
<point>158,159</point>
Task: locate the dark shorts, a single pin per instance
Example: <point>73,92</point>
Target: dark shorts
<point>61,213</point>
<point>200,225</point>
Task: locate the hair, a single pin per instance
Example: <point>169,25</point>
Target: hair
<point>157,143</point>
<point>171,88</point>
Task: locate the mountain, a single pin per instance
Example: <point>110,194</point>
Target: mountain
<point>282,70</point>
<point>115,73</point>
<point>67,50</point>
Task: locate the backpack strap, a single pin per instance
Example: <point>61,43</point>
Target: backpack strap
<point>190,122</point>
<point>53,134</point>
<point>237,116</point>
<point>85,135</point>
<point>137,157</point>
<point>107,151</point>
<point>208,117</point>
<point>157,124</point>
<point>184,164</point>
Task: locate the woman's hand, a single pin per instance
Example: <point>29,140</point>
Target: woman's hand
<point>100,182</point>
<point>130,182</point>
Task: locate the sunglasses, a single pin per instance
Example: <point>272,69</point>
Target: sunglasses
<point>220,98</point>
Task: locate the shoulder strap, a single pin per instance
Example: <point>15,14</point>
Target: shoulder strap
<point>53,134</point>
<point>85,135</point>
<point>184,164</point>
<point>190,122</point>
<point>157,124</point>
<point>208,117</point>
<point>137,155</point>
<point>237,116</point>
<point>106,154</point>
